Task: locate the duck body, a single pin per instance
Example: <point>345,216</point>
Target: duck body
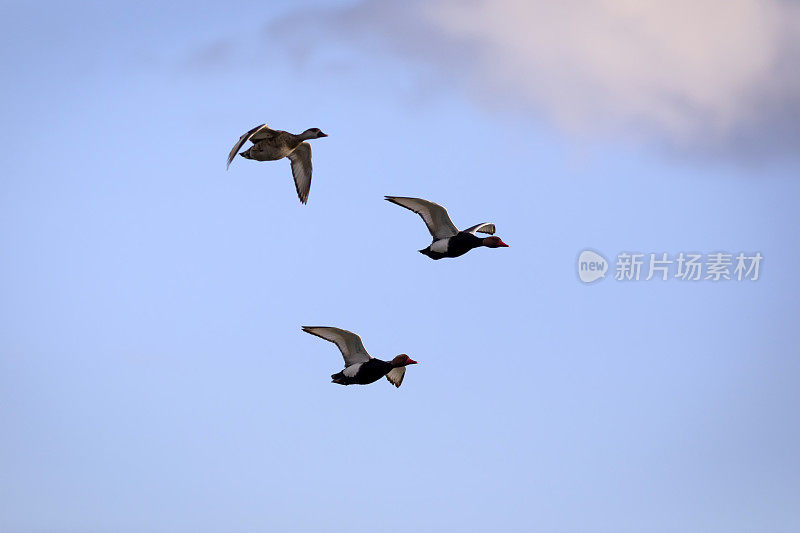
<point>363,373</point>
<point>276,145</point>
<point>454,246</point>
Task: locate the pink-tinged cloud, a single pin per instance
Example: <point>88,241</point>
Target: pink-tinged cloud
<point>705,76</point>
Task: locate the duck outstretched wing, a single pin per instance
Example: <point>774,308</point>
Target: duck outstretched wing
<point>301,170</point>
<point>396,375</point>
<point>256,134</point>
<point>348,343</point>
<point>434,215</point>
<point>483,227</point>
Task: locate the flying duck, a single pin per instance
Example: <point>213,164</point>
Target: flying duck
<point>271,145</point>
<point>447,240</point>
<point>360,368</point>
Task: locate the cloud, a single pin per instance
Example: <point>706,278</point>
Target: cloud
<point>702,76</point>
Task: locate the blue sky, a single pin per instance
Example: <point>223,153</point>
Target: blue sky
<point>153,375</point>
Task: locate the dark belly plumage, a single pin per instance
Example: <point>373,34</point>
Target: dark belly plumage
<point>370,372</point>
<point>457,246</point>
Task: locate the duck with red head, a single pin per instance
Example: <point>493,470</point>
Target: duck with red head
<point>402,360</point>
<point>448,241</point>
<point>493,242</point>
<point>360,367</point>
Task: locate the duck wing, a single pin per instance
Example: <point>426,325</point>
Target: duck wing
<point>256,134</point>
<point>396,375</point>
<point>483,227</point>
<point>301,170</point>
<point>348,342</point>
<point>434,215</point>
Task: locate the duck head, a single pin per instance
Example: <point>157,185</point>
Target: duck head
<point>402,360</point>
<point>313,133</point>
<point>494,242</point>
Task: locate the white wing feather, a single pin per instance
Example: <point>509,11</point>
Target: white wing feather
<point>434,215</point>
<point>395,376</point>
<point>348,343</point>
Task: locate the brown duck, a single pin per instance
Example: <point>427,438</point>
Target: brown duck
<point>271,145</point>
